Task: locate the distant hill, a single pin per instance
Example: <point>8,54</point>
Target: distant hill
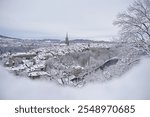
<point>52,40</point>
<point>48,40</point>
<point>81,41</point>
<point>7,37</point>
<point>13,38</point>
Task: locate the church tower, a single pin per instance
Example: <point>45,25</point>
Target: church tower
<point>67,40</point>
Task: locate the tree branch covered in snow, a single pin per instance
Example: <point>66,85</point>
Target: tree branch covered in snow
<point>135,24</point>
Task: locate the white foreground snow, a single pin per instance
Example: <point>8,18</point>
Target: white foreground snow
<point>133,85</point>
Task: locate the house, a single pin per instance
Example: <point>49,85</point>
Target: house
<point>24,55</point>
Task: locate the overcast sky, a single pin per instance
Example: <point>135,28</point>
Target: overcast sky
<point>90,19</point>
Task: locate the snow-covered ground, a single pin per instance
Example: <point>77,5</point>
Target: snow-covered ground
<point>133,85</point>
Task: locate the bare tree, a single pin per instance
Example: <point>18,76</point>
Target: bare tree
<point>135,24</point>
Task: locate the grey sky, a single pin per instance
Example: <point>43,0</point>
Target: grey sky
<point>53,18</point>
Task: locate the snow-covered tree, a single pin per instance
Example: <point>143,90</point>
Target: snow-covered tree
<point>135,24</point>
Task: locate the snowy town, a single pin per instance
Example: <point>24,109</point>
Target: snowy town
<point>73,64</point>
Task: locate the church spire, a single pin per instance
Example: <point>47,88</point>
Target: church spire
<point>67,39</point>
